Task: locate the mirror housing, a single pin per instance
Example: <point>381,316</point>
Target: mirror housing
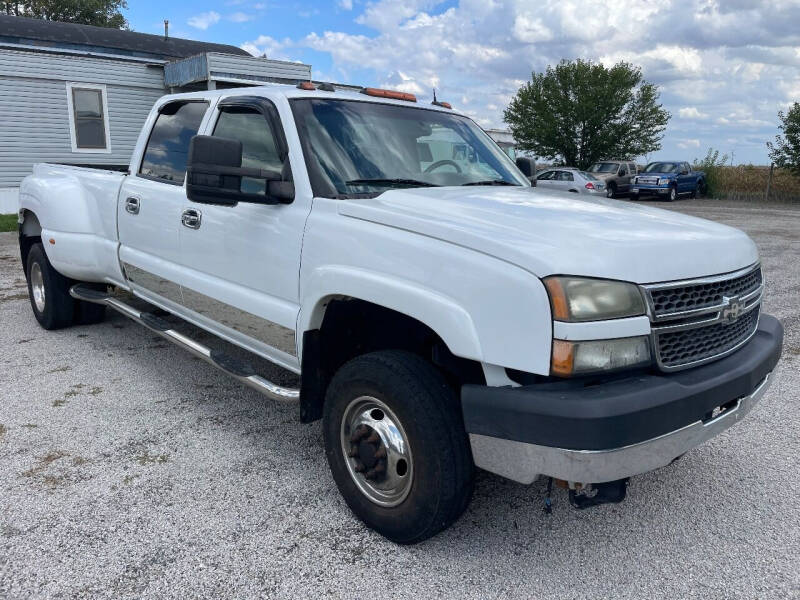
<point>622,172</point>
<point>528,167</point>
<point>214,175</point>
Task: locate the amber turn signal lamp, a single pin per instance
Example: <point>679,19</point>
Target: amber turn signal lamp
<point>306,85</point>
<point>558,299</point>
<point>563,361</point>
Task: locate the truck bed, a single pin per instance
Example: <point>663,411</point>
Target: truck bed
<point>79,221</point>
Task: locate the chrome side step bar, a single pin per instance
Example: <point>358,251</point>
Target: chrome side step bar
<point>229,364</point>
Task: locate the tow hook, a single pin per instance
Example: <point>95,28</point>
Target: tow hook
<point>593,494</point>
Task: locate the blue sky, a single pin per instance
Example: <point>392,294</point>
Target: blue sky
<point>724,67</point>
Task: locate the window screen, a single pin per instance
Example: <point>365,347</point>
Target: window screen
<point>168,147</point>
<point>90,129</point>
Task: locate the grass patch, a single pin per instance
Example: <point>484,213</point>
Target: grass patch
<point>8,223</point>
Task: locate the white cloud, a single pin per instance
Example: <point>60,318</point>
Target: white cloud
<point>204,20</point>
<point>240,17</point>
<point>723,69</point>
<point>269,46</point>
<point>691,112</point>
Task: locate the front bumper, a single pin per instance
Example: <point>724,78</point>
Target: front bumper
<point>649,189</point>
<point>604,432</point>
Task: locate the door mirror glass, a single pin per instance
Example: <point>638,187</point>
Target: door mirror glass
<point>622,171</point>
<point>214,175</point>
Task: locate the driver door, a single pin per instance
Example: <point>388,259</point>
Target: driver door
<point>243,262</point>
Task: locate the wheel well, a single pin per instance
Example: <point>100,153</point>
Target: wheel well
<point>30,233</point>
<point>351,327</point>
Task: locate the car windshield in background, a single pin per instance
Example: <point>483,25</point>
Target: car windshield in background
<point>604,168</point>
<point>661,167</point>
<point>355,148</point>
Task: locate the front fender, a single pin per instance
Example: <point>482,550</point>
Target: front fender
<point>442,314</point>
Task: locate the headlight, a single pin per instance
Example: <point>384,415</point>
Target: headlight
<point>663,180</point>
<point>579,299</point>
<point>580,358</point>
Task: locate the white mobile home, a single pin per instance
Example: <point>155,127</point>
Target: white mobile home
<point>78,94</point>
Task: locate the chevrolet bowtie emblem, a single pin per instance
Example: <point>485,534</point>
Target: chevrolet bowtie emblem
<point>733,309</point>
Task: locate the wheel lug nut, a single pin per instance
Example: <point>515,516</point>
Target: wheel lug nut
<point>380,452</point>
<point>373,438</point>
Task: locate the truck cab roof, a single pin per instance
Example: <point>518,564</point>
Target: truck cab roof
<point>289,92</point>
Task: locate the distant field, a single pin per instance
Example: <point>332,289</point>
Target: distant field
<point>8,223</point>
<point>747,182</point>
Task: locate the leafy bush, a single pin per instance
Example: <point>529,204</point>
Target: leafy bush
<point>713,165</point>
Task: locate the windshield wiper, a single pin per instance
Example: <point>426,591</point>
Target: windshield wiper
<point>490,182</point>
<point>391,182</point>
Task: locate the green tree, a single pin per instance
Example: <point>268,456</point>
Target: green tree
<point>785,152</point>
<point>103,13</point>
<point>581,112</point>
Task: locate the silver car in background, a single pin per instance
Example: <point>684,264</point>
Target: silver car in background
<point>570,179</point>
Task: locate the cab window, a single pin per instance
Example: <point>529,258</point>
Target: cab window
<point>259,146</point>
<point>167,148</point>
<point>546,176</point>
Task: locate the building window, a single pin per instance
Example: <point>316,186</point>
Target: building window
<point>88,117</point>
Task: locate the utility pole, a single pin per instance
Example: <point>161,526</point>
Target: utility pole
<point>769,181</point>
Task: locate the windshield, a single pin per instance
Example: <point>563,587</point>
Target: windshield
<point>661,167</point>
<point>604,167</point>
<point>354,148</point>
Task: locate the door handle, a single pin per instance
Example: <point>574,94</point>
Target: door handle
<point>132,205</point>
<point>191,218</point>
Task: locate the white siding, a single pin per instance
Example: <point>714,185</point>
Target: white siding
<point>34,119</point>
<point>246,67</point>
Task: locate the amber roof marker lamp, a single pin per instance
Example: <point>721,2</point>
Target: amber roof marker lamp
<point>390,94</point>
<point>438,103</point>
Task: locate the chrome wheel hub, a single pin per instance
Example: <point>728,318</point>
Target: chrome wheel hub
<point>376,451</point>
<point>37,286</point>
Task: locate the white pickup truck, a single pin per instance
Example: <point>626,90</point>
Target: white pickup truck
<point>441,313</point>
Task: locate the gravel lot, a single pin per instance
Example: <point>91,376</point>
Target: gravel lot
<point>130,469</point>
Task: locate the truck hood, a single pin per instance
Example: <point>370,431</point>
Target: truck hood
<point>550,233</point>
<point>654,174</point>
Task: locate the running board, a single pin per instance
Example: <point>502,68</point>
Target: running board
<point>229,364</point>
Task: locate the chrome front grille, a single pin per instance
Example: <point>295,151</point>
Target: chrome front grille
<point>691,346</point>
<point>701,320</point>
<point>695,296</point>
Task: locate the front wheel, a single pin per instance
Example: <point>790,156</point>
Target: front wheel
<point>396,445</point>
<point>611,191</point>
<point>673,194</point>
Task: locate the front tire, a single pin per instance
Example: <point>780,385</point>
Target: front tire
<point>396,445</point>
<point>48,290</point>
<point>611,191</point>
<point>673,194</point>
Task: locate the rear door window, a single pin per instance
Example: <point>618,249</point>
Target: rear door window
<point>565,176</point>
<point>168,146</point>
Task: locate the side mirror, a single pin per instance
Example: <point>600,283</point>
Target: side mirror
<point>528,168</point>
<point>685,172</point>
<point>214,175</point>
<point>622,172</point>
